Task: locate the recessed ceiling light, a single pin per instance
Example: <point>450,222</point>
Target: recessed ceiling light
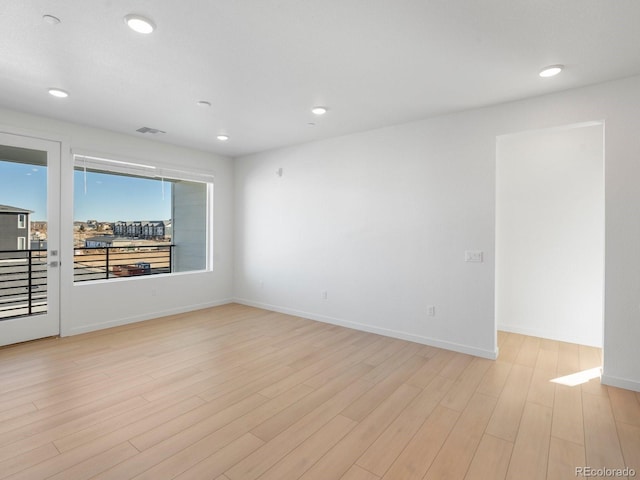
<point>139,24</point>
<point>50,19</point>
<point>551,71</point>
<point>223,138</point>
<point>319,110</point>
<point>56,92</point>
<point>203,103</point>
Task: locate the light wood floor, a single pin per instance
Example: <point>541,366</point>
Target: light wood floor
<point>237,393</point>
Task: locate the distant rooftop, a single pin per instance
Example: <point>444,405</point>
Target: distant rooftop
<point>10,209</point>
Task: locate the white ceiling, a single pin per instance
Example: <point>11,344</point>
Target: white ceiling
<point>264,63</point>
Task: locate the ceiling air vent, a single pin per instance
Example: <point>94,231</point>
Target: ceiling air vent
<point>152,131</point>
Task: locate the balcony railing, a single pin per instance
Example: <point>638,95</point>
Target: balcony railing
<point>23,273</point>
<point>97,263</point>
<point>23,283</point>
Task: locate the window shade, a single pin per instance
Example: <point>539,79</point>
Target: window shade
<point>128,167</point>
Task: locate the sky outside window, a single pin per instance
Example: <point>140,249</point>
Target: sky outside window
<point>108,197</point>
<point>24,186</point>
<point>111,197</point>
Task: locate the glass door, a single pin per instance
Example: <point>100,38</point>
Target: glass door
<point>29,238</point>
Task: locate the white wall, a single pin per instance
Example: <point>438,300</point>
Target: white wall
<point>381,219</point>
<point>550,233</point>
<point>92,306</point>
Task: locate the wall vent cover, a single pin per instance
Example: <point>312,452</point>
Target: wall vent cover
<point>152,131</point>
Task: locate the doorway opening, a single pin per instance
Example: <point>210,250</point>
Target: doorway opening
<point>550,233</point>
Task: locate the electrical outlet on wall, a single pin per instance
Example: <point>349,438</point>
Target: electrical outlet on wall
<point>431,310</point>
<point>325,295</point>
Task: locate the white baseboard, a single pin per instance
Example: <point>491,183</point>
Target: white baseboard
<point>371,329</point>
<point>140,318</point>
<point>620,383</point>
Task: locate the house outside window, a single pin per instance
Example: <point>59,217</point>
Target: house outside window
<point>22,243</point>
<point>14,223</point>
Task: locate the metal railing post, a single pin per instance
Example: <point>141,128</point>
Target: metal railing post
<point>29,282</point>
<point>107,262</point>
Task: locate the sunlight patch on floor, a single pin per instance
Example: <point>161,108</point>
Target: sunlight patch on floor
<point>579,378</point>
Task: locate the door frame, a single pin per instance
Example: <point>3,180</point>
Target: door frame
<point>56,219</point>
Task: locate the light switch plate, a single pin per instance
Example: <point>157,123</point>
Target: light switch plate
<point>474,256</point>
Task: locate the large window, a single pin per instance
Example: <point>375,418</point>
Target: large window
<point>132,219</point>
